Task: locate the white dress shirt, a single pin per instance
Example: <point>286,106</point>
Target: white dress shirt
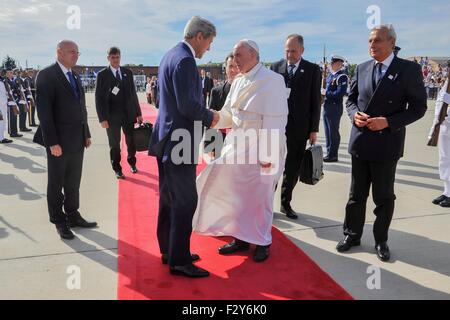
<point>386,63</point>
<point>114,71</point>
<point>190,47</point>
<point>64,70</point>
<point>296,66</point>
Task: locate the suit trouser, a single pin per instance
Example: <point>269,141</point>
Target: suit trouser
<point>22,118</point>
<point>114,137</point>
<point>295,151</point>
<point>177,204</point>
<point>4,122</point>
<point>12,128</point>
<point>63,189</point>
<point>381,175</point>
<point>332,113</point>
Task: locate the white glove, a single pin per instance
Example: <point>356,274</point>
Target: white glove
<point>12,103</point>
<point>323,91</point>
<point>447,98</point>
<point>22,102</point>
<point>29,96</point>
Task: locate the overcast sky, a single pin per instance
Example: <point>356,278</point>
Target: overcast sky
<point>144,30</point>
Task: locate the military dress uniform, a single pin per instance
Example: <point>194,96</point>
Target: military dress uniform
<point>23,103</point>
<point>336,88</point>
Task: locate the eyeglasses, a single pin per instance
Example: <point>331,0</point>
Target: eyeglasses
<point>73,52</point>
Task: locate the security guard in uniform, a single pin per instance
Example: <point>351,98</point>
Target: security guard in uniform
<point>336,88</point>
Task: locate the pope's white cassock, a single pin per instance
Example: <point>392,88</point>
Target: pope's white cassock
<point>236,199</point>
<point>444,138</point>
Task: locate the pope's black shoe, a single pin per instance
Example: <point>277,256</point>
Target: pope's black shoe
<point>439,199</point>
<point>76,220</point>
<point>234,246</point>
<point>383,251</point>
<point>445,203</point>
<point>328,159</point>
<point>261,253</point>
<point>189,270</point>
<point>165,258</point>
<point>64,231</point>
<point>288,211</point>
<point>346,243</point>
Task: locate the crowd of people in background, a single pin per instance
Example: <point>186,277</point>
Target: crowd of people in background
<point>434,78</point>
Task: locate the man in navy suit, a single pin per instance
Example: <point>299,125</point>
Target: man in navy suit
<point>64,131</point>
<point>387,94</point>
<point>180,107</point>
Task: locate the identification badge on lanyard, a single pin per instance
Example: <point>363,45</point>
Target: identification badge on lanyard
<point>115,91</point>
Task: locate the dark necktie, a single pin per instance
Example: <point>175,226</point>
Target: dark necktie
<point>377,74</point>
<point>118,75</point>
<point>73,84</point>
<point>291,71</point>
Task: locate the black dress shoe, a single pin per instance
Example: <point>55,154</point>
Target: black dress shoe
<point>439,199</point>
<point>189,270</point>
<point>234,246</point>
<point>261,253</point>
<point>134,169</point>
<point>5,141</point>
<point>327,159</point>
<point>25,130</point>
<point>445,203</point>
<point>16,135</point>
<point>287,210</point>
<point>64,231</point>
<point>383,251</point>
<point>119,175</point>
<point>346,243</point>
<point>165,258</point>
<point>78,221</point>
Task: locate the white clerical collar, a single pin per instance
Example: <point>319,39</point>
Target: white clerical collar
<point>387,62</point>
<point>63,68</point>
<point>253,71</point>
<point>190,47</point>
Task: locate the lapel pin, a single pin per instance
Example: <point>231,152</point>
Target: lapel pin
<point>391,77</point>
<point>301,70</point>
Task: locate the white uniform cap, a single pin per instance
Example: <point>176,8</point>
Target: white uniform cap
<point>337,57</point>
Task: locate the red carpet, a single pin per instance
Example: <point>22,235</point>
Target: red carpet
<point>287,274</point>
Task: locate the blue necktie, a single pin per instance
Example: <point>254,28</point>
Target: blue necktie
<point>378,73</point>
<point>291,71</point>
<point>73,84</point>
<point>118,75</point>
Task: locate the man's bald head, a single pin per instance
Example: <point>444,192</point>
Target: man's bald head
<point>67,53</point>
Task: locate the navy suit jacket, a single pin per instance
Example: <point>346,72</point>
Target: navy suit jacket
<point>400,97</point>
<point>62,115</point>
<point>180,102</point>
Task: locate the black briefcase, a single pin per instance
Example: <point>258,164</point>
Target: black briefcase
<point>141,136</point>
<point>311,169</point>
